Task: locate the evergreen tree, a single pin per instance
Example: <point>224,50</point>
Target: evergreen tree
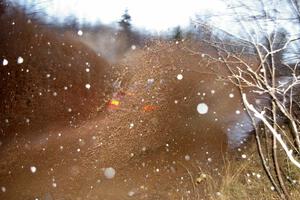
<point>177,33</point>
<point>125,22</point>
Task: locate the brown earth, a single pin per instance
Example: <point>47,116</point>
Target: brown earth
<point>157,154</point>
<point>49,86</point>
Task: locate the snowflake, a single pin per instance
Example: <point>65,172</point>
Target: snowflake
<point>133,47</point>
<point>20,60</point>
<point>179,76</point>
<point>202,108</point>
<point>109,173</point>
<point>80,33</point>
<point>87,86</point>
<point>4,62</point>
<point>3,189</point>
<point>187,157</point>
<point>33,169</point>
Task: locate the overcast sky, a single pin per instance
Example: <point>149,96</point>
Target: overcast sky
<point>154,15</point>
<point>160,15</point>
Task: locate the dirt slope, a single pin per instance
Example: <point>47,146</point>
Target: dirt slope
<point>150,149</point>
<point>49,84</point>
<point>155,139</point>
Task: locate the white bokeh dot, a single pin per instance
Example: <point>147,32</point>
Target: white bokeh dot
<point>202,108</point>
<point>109,173</point>
<point>87,86</point>
<point>20,60</point>
<point>80,33</point>
<point>3,189</point>
<point>179,76</point>
<point>4,62</point>
<point>33,169</point>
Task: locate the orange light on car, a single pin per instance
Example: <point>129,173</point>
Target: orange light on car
<point>149,108</point>
<point>114,102</point>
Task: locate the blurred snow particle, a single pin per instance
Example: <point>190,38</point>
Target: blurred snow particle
<point>150,81</point>
<point>109,172</point>
<point>33,169</point>
<point>80,33</point>
<point>20,60</point>
<point>187,157</point>
<point>209,159</point>
<point>244,156</point>
<point>55,94</point>
<point>237,112</point>
<point>3,189</point>
<point>179,76</point>
<point>131,125</point>
<point>87,86</point>
<point>202,108</point>
<point>231,95</point>
<point>27,120</point>
<point>133,47</point>
<point>131,193</point>
<point>272,188</point>
<point>258,176</point>
<point>87,70</point>
<point>4,62</point>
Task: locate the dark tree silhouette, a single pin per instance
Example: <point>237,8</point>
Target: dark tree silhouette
<point>177,35</point>
<point>125,22</point>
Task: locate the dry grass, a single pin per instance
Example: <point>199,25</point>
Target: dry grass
<point>246,179</point>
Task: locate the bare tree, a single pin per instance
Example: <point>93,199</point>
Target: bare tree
<point>270,73</point>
